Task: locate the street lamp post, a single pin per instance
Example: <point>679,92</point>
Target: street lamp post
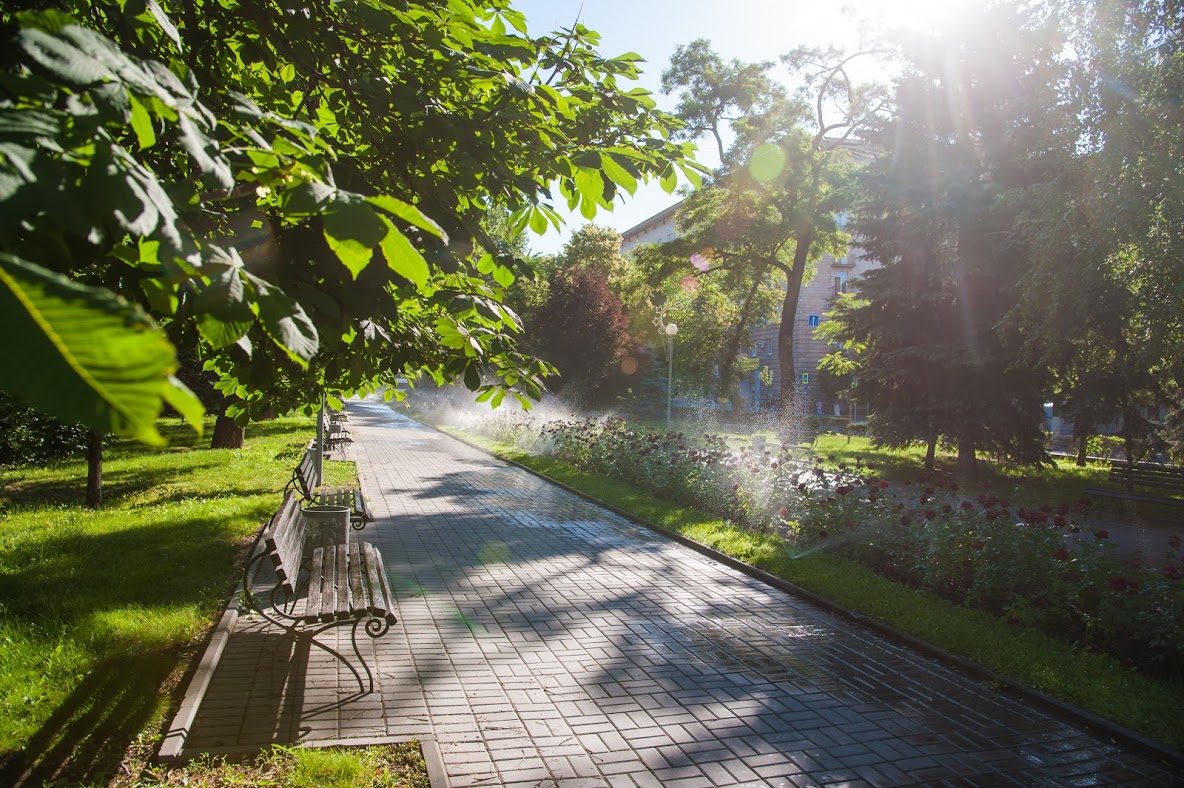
<point>668,330</point>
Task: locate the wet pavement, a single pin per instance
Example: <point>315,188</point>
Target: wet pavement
<point>545,641</point>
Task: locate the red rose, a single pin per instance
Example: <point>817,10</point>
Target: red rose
<point>930,514</point>
<point>1172,572</point>
<point>783,513</point>
<point>1119,584</point>
<point>1174,541</point>
<point>1061,554</point>
<point>1101,533</point>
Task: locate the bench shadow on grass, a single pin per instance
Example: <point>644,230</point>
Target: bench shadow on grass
<point>67,582</point>
<point>85,739</point>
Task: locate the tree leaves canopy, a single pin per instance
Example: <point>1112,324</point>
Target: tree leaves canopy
<point>314,214</point>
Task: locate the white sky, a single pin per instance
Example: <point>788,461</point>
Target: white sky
<point>749,30</point>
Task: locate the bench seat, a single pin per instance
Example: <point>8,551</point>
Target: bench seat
<point>320,585</point>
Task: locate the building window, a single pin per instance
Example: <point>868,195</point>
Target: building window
<point>840,282</point>
<point>762,346</point>
<point>813,321</point>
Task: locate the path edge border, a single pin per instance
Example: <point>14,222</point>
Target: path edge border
<point>1080,716</point>
<point>174,737</point>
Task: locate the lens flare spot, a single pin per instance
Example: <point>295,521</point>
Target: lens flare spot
<point>493,553</point>
<point>767,162</point>
<point>629,365</point>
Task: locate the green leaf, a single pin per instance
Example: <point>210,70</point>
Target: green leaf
<point>472,377</point>
<point>223,314</point>
<point>204,152</point>
<point>61,59</point>
<point>538,221</point>
<point>285,321</point>
<point>353,229</point>
<point>669,181</point>
<point>408,213</point>
<point>618,174</point>
<point>165,23</point>
<point>142,124</point>
<point>403,258</point>
<point>503,276</point>
<point>28,123</point>
<point>307,198</point>
<point>81,353</point>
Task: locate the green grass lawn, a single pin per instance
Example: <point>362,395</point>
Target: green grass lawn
<point>102,611</point>
<point>1086,679</point>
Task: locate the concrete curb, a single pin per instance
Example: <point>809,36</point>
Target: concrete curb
<point>178,731</point>
<point>1079,716</point>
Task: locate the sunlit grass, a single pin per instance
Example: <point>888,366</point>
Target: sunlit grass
<point>1087,679</point>
<point>101,609</point>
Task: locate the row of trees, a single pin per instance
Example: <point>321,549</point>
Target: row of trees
<point>1028,225</point>
<point>1019,185</point>
<point>292,196</point>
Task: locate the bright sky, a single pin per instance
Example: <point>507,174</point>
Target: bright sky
<point>749,30</point>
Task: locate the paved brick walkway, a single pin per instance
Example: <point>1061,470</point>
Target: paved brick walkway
<point>544,641</point>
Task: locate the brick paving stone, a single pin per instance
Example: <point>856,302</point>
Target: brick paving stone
<point>545,641</point>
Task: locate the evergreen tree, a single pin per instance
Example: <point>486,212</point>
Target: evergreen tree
<point>977,128</point>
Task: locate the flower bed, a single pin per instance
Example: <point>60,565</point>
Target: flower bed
<point>1034,566</point>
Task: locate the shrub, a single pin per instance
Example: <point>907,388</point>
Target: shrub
<point>29,436</point>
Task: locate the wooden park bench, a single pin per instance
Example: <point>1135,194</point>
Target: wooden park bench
<point>1144,474</point>
<point>307,484</point>
<point>337,435</point>
<point>320,586</point>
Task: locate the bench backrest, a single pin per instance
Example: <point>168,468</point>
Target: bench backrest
<point>306,473</point>
<point>284,542</point>
<point>1149,475</point>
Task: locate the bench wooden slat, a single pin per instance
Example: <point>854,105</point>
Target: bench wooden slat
<point>342,584</point>
<point>387,610</point>
<point>312,602</point>
<point>361,507</point>
<point>358,592</point>
<point>328,585</point>
<point>374,570</point>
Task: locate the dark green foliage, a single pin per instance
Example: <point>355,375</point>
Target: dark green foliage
<point>306,190</point>
<point>938,355</point>
<point>29,436</point>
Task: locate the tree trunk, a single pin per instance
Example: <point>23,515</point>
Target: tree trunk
<point>1081,455</point>
<point>227,434</point>
<point>268,413</point>
<point>789,313</point>
<point>967,463</point>
<point>94,470</point>
<point>931,452</point>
